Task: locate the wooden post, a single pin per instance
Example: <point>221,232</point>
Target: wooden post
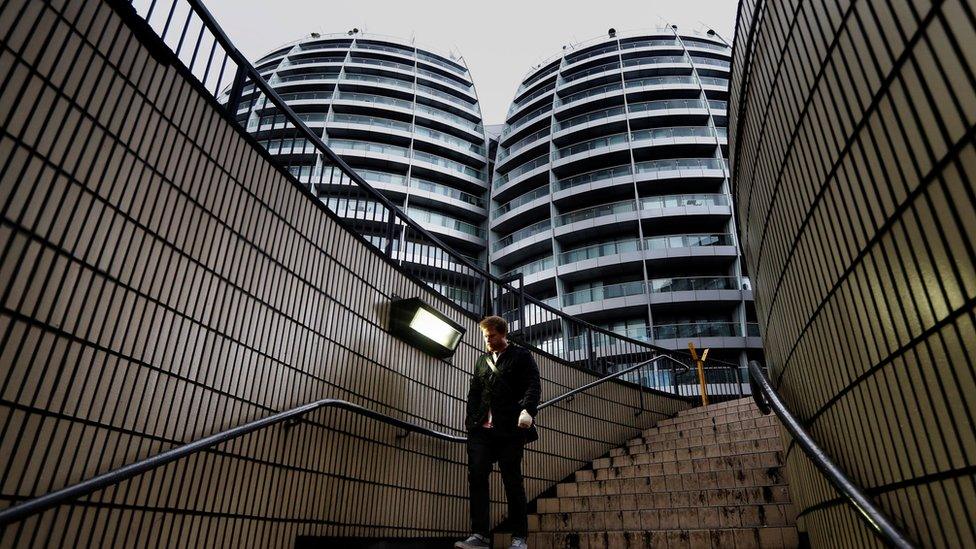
<point>700,363</point>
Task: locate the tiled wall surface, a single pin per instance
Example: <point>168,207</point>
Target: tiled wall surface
<point>854,163</point>
<point>160,281</point>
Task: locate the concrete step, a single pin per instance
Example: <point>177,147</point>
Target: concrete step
<point>719,538</point>
<point>642,445</point>
<point>700,420</point>
<point>664,452</point>
<point>718,497</point>
<point>655,464</point>
<point>673,518</point>
<point>698,428</point>
<point>743,478</point>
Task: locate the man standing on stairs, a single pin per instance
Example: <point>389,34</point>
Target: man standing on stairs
<point>502,402</point>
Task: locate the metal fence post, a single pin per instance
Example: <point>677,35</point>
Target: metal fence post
<point>236,90</point>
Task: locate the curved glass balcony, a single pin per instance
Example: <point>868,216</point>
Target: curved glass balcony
<point>711,61</point>
<point>445,80</point>
<point>449,164</point>
<point>692,284</point>
<point>599,250</point>
<point>623,206</point>
<point>707,46</point>
<point>651,202</point>
<point>528,98</point>
<point>426,216</point>
<point>661,81</point>
<point>446,96</point>
<point>698,329</point>
<point>532,267</point>
<point>522,169</point>
<point>719,105</point>
<point>603,292</point>
<point>656,59</point>
<point>577,57</point>
<point>680,200</point>
<point>524,233</point>
<point>395,82</point>
<point>375,99</point>
<point>374,176</point>
<point>320,75</point>
<point>520,143</point>
<point>650,43</point>
<point>444,190</point>
<point>378,47</point>
<point>664,133</point>
<point>572,98</point>
<point>313,60</point>
<point>589,117</point>
<point>455,142</point>
<point>381,63</point>
<point>591,71</point>
<point>523,120</point>
<point>687,241</point>
<point>666,105</point>
<point>369,147</point>
<point>710,81</point>
<point>520,200</point>
<point>440,63</point>
<point>448,117</point>
<point>371,121</point>
<point>597,175</point>
<point>597,143</point>
<point>673,164</point>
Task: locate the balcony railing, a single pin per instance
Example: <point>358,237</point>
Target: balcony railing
<point>698,329</point>
<point>444,190</point>
<point>456,142</point>
<point>603,292</point>
<point>650,243</point>
<point>520,200</point>
<point>665,133</point>
<point>650,202</point>
<point>449,164</point>
<point>379,148</point>
<point>426,216</point>
<point>506,152</point>
<point>522,169</point>
<point>532,267</point>
<point>588,72</point>
<point>371,121</point>
<point>572,98</point>
<point>660,81</point>
<point>590,117</point>
<point>377,99</point>
<point>522,234</point>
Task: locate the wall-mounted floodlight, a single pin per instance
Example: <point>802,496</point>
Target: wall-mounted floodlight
<point>425,328</point>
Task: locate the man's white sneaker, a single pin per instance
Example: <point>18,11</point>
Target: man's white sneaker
<point>476,541</point>
<point>519,543</point>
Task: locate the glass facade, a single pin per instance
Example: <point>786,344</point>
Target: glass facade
<point>407,120</point>
<point>611,194</point>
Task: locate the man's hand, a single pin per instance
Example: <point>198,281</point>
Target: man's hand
<point>525,420</point>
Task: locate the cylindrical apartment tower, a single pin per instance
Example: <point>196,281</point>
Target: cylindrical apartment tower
<point>855,183</point>
<point>610,194</point>
<point>406,119</point>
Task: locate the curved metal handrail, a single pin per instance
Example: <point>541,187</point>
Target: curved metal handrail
<point>36,505</point>
<point>875,519</point>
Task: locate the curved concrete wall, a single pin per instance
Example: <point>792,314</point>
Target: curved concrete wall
<point>853,159</point>
<point>162,280</point>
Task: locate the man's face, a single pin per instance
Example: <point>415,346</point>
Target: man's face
<point>494,341</point>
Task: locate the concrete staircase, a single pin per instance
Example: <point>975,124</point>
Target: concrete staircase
<point>709,478</point>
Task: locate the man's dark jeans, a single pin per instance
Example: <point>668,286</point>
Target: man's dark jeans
<point>485,447</point>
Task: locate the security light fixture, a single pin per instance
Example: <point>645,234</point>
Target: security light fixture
<point>612,32</point>
<point>425,328</point>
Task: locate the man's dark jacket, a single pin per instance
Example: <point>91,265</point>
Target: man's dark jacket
<point>514,388</point>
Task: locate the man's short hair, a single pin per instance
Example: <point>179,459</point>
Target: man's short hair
<point>495,323</point>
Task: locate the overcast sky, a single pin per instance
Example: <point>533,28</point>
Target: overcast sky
<point>499,39</point>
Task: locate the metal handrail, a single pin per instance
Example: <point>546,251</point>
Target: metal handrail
<point>39,504</point>
<point>873,517</point>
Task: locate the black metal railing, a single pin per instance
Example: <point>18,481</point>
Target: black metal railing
<point>767,399</point>
<point>427,250</point>
<point>31,507</point>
